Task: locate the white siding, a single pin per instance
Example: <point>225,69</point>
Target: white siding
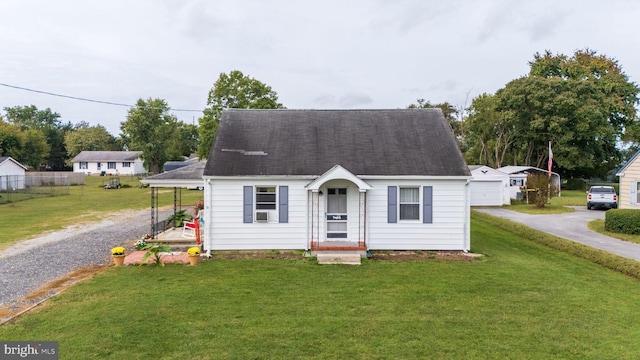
<point>136,167</point>
<point>224,227</point>
<point>11,175</point>
<point>628,197</point>
<point>225,230</point>
<point>8,167</point>
<point>450,218</point>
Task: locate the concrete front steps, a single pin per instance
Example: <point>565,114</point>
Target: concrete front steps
<point>338,257</point>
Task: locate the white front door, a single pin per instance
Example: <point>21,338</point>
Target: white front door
<point>336,213</point>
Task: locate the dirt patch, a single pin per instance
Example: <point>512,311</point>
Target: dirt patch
<point>423,255</point>
<point>266,254</point>
<point>375,255</point>
<point>43,293</point>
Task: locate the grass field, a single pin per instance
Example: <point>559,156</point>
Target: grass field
<point>598,226</point>
<point>520,301</point>
<point>85,203</point>
<point>557,205</point>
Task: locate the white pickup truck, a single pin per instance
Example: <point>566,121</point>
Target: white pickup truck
<point>602,196</point>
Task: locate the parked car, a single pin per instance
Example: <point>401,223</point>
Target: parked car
<point>603,197</point>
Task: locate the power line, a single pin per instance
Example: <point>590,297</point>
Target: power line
<point>84,99</point>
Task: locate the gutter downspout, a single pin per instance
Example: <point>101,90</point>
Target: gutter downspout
<point>467,220</point>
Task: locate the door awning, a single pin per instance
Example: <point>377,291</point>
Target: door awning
<point>335,173</point>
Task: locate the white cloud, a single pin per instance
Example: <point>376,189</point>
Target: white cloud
<point>331,54</point>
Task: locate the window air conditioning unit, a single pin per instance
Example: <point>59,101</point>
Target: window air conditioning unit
<point>262,216</point>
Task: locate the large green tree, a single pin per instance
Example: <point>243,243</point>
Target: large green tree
<point>184,142</point>
<point>11,140</point>
<point>84,137</point>
<point>35,148</point>
<point>47,121</point>
<point>233,90</point>
<point>583,104</point>
<point>490,132</point>
<point>149,128</point>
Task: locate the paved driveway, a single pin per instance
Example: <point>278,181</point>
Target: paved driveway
<point>572,226</point>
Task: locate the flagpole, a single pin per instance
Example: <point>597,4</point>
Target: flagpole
<point>549,166</point>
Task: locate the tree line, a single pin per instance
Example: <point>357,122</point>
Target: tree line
<point>584,104</point>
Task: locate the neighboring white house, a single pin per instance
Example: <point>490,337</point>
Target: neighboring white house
<point>109,163</point>
<point>518,178</point>
<point>12,174</point>
<point>629,192</point>
<point>336,180</point>
<point>489,187</point>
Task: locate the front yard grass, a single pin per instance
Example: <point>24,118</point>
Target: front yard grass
<point>557,205</point>
<point>522,300</point>
<point>85,203</point>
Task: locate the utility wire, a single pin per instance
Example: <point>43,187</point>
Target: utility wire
<point>84,99</point>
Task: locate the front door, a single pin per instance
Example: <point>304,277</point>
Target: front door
<point>336,213</point>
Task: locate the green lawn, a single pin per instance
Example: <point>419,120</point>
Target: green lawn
<point>89,202</point>
<point>557,205</point>
<point>520,301</point>
<point>598,226</point>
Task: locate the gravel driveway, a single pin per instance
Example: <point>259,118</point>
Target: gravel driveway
<point>30,264</point>
<point>572,226</point>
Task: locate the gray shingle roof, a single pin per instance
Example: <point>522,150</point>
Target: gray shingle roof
<point>107,156</point>
<point>310,142</point>
<point>189,172</point>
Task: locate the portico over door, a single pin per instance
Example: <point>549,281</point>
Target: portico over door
<point>337,220</point>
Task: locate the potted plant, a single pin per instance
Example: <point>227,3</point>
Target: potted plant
<point>142,243</point>
<point>194,255</point>
<point>179,218</point>
<point>118,255</point>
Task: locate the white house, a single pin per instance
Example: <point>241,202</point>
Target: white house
<point>336,179</point>
<point>629,175</point>
<point>518,178</point>
<point>489,187</point>
<point>12,174</point>
<point>109,163</point>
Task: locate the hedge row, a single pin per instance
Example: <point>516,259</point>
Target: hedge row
<point>576,184</point>
<point>625,221</point>
<point>614,262</point>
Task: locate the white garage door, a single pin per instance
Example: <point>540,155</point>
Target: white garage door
<point>486,193</point>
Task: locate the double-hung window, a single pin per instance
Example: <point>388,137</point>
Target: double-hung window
<point>84,165</point>
<point>111,165</point>
<point>409,203</point>
<point>265,198</point>
<point>126,164</point>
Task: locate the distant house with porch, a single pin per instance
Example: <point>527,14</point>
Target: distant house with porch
<point>109,163</point>
<point>336,179</point>
<point>12,174</point>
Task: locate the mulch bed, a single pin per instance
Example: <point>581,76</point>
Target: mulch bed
<point>376,255</point>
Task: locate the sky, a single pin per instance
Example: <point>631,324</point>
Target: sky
<point>331,54</point>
